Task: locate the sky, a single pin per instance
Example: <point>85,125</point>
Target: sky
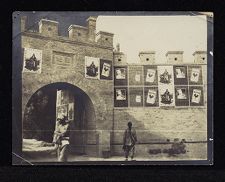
<point>156,33</point>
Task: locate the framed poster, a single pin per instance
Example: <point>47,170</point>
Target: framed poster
<point>92,67</point>
<point>181,96</point>
<point>121,97</point>
<point>120,75</point>
<point>32,60</point>
<point>180,75</point>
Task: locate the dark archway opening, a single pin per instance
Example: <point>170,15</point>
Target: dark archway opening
<point>41,113</point>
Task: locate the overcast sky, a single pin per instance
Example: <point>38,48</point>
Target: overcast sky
<point>156,33</point>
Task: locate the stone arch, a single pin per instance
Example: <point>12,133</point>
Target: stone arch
<point>41,124</point>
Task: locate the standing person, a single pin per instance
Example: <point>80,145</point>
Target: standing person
<point>129,141</point>
<point>61,138</point>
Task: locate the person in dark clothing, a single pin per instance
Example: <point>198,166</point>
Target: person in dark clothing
<point>129,141</point>
<point>61,138</point>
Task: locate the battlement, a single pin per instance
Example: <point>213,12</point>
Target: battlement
<point>147,57</point>
<point>200,56</point>
<point>50,28</point>
<point>174,57</point>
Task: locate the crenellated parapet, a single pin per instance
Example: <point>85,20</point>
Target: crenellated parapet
<point>85,34</point>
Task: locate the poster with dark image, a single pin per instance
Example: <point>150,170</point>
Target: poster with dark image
<point>91,67</point>
<point>181,96</point>
<point>180,75</point>
<point>135,75</point>
<point>151,97</point>
<point>32,60</point>
<point>165,75</point>
<point>136,96</point>
<point>195,75</point>
<point>105,69</point>
<point>120,75</point>
<point>196,96</point>
<point>120,97</point>
<point>150,75</point>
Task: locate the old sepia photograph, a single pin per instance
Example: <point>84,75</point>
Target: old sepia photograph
<point>124,87</point>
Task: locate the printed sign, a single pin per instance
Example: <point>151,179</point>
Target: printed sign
<point>92,67</point>
<point>196,96</point>
<point>137,77</point>
<point>120,73</point>
<point>106,69</point>
<point>166,96</point>
<point>138,98</point>
<point>181,93</point>
<point>151,97</point>
<point>120,94</point>
<point>32,60</point>
<point>195,72</point>
<point>180,72</point>
<point>150,76</point>
<point>165,75</point>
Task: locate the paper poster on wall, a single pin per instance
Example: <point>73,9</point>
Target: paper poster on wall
<point>181,93</point>
<point>120,73</point>
<point>166,96</point>
<point>138,77</point>
<point>150,76</point>
<point>182,96</point>
<point>165,74</point>
<point>196,96</point>
<point>195,72</point>
<point>106,70</point>
<point>92,67</point>
<point>180,72</point>
<point>120,94</point>
<point>32,61</point>
<point>138,98</point>
<point>151,97</point>
<point>71,111</point>
<point>58,99</point>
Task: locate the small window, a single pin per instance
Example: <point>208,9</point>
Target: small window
<point>106,38</point>
<point>147,59</point>
<point>79,34</point>
<point>119,60</point>
<point>49,29</point>
<point>175,59</point>
<point>203,58</point>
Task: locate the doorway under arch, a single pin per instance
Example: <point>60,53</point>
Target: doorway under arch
<point>43,108</point>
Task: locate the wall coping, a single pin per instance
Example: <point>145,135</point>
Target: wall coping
<point>65,40</point>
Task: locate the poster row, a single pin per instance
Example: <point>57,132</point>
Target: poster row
<point>158,96</point>
<point>95,68</point>
<point>158,75</point>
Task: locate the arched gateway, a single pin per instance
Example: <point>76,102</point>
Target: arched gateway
<point>48,102</point>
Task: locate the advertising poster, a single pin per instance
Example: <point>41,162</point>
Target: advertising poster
<point>32,60</point>
<point>106,69</point>
<point>92,67</point>
<point>165,75</point>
